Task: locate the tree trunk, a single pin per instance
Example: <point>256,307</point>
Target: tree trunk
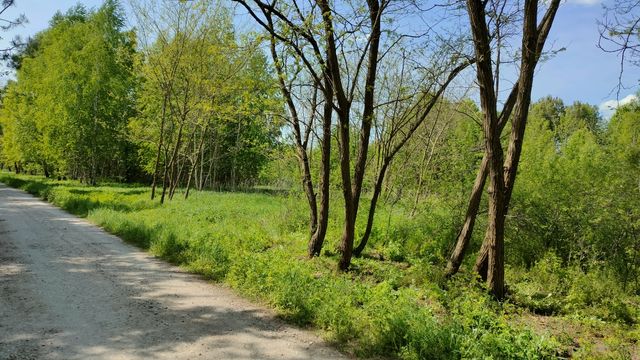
<point>197,156</point>
<point>353,199</point>
<point>317,239</point>
<point>307,184</point>
<point>464,236</point>
<point>495,227</point>
<point>482,262</point>
<point>160,143</point>
<point>493,147</point>
<point>372,208</point>
<point>176,182</point>
<point>171,163</point>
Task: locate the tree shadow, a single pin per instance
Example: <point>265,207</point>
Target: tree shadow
<point>73,291</point>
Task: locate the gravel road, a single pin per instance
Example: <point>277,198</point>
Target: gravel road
<point>68,290</point>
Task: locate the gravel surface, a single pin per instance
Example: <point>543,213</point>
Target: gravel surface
<point>69,290</point>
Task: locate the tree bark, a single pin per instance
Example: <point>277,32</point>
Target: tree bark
<point>160,143</point>
<point>533,40</point>
<point>301,145</point>
<point>317,239</point>
<point>464,236</point>
<point>197,157</point>
<point>354,189</point>
<point>493,147</point>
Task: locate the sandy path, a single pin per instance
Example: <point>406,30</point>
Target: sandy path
<point>68,290</point>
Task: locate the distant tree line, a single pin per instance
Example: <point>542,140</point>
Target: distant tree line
<point>181,101</point>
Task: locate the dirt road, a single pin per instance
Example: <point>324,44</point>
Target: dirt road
<point>68,290</point>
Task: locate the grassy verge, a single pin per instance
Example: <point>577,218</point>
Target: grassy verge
<point>256,243</point>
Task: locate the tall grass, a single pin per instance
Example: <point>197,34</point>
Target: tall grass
<point>256,243</point>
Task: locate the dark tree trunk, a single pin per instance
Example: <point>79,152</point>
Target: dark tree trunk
<point>197,157</point>
<point>317,239</point>
<point>493,147</point>
<point>372,209</point>
<point>160,143</point>
<point>490,261</point>
<point>464,236</point>
<point>346,243</point>
<point>352,200</point>
<point>495,223</point>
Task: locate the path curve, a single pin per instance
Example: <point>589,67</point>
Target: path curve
<point>69,290</point>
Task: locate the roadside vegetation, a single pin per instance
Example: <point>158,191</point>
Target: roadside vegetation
<point>358,188</point>
<point>388,304</point>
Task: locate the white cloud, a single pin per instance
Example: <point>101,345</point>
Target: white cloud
<point>608,108</point>
<point>584,2</point>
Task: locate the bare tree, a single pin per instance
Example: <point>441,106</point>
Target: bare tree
<point>294,28</point>
<point>341,46</point>
<point>620,33</point>
<point>301,129</point>
<point>404,121</point>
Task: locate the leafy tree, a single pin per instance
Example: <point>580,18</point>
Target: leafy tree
<point>74,91</point>
<point>205,105</point>
<point>575,198</point>
<point>549,110</point>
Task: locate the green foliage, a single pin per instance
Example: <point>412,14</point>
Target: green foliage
<point>203,106</point>
<point>245,240</point>
<point>69,106</point>
<point>550,288</point>
<point>575,194</point>
<point>206,97</point>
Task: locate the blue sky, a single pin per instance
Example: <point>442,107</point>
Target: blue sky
<point>581,72</point>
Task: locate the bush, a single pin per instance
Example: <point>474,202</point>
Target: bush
<point>550,287</point>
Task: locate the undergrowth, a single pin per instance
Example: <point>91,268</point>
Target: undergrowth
<point>407,310</point>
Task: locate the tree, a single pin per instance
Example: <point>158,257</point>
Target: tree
<point>502,172</point>
<point>77,88</point>
<point>301,133</point>
<point>206,99</point>
<point>623,145</point>
<point>579,115</point>
<point>399,122</point>
<point>519,92</point>
<point>166,25</point>
<point>296,30</point>
<point>327,40</point>
<point>550,110</point>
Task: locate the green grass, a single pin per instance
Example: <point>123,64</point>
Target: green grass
<point>256,243</point>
